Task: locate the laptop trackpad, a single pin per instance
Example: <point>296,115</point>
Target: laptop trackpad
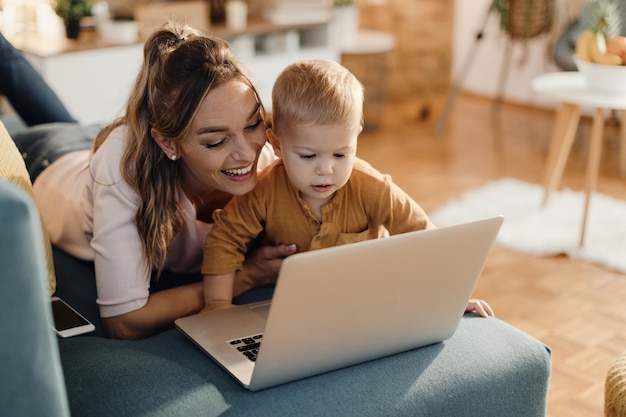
<point>261,310</point>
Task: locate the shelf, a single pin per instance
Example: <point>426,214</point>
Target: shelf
<point>93,78</point>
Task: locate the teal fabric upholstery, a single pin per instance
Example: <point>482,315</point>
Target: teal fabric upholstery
<point>488,368</point>
<point>32,379</point>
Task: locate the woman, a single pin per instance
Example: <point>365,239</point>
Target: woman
<point>192,136</point>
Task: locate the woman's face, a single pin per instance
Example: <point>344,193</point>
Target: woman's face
<point>224,142</point>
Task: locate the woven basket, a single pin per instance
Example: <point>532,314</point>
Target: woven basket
<point>524,19</point>
<point>615,388</point>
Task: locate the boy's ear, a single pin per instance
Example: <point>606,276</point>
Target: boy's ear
<point>167,146</point>
<point>271,136</point>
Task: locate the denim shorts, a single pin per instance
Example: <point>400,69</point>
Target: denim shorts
<point>41,145</point>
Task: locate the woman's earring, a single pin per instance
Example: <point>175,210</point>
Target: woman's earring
<point>173,157</point>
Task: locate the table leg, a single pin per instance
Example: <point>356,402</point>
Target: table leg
<point>593,164</point>
<point>622,144</point>
<point>563,132</point>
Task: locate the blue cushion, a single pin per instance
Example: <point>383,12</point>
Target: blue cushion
<point>488,368</point>
<point>31,371</point>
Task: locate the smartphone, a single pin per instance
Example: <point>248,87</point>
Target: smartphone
<point>67,321</point>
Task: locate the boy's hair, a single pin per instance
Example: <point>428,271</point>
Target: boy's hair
<point>315,92</point>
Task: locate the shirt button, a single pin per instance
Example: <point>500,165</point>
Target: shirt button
<point>317,238</point>
<point>314,223</point>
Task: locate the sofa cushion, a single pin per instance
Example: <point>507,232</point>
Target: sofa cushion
<point>13,169</point>
<point>487,368</point>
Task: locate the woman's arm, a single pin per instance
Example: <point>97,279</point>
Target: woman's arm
<point>163,307</point>
<point>157,314</point>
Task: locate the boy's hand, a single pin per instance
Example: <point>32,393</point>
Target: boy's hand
<point>480,307</point>
<point>216,306</point>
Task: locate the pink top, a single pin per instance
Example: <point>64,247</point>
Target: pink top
<point>105,232</point>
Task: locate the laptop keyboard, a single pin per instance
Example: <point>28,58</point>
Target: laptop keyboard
<point>248,346</point>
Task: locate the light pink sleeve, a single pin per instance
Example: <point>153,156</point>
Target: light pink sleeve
<point>122,276</point>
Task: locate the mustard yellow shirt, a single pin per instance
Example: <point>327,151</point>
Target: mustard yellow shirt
<point>275,212</point>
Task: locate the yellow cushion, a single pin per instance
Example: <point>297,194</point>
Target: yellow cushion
<point>13,169</point>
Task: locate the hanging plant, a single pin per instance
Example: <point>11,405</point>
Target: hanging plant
<point>525,19</point>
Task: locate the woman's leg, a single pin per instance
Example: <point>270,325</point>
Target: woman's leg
<point>43,144</point>
<point>30,96</point>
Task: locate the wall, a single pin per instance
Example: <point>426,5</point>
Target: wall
<point>421,62</point>
<point>437,48</point>
<point>482,63</point>
<point>420,65</point>
<point>480,75</point>
<point>434,39</point>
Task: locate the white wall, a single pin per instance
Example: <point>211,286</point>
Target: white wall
<point>481,75</point>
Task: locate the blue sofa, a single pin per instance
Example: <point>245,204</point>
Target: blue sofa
<point>488,368</point>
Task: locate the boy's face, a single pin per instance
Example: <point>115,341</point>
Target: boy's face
<point>318,158</point>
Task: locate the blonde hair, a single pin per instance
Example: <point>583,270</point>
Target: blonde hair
<point>315,92</point>
<point>180,66</point>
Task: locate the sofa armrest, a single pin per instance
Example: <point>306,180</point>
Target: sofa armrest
<point>33,380</point>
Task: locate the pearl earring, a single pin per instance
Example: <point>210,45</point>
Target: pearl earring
<point>173,157</point>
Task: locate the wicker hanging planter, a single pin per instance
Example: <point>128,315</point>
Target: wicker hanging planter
<point>525,19</point>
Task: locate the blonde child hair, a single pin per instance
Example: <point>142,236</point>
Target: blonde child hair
<point>315,92</point>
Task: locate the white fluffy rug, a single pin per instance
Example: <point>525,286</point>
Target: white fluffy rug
<point>531,228</point>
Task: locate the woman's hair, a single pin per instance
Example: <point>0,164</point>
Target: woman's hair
<point>179,68</point>
<point>315,92</point>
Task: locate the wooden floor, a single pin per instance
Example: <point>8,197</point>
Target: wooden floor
<point>576,308</point>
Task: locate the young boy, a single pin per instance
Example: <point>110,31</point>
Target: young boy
<point>318,193</point>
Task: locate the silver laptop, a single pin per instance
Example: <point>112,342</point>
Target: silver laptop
<point>349,304</point>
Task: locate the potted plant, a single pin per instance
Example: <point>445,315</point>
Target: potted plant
<point>345,21</point>
<point>71,11</point>
<point>522,20</point>
<point>525,19</point>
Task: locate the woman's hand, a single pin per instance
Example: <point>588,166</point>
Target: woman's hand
<point>158,314</point>
<point>480,307</point>
<point>261,267</point>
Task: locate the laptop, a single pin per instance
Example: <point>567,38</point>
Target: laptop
<point>349,304</point>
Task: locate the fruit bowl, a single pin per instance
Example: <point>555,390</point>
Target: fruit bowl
<point>608,79</point>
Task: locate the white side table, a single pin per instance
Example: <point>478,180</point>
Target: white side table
<point>368,58</point>
<point>570,89</point>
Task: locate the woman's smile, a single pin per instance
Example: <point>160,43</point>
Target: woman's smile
<point>238,172</point>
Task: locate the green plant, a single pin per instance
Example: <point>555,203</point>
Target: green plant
<point>341,3</point>
<point>72,9</point>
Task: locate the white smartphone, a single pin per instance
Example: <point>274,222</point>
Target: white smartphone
<point>67,321</point>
